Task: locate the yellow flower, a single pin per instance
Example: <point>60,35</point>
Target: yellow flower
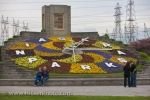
<point>22,45</point>
<point>41,53</point>
<point>96,57</point>
<point>71,59</point>
<point>115,59</point>
<point>24,62</point>
<point>98,44</point>
<point>61,39</point>
<point>78,68</point>
<point>50,45</point>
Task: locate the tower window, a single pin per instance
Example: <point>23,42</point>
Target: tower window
<point>58,20</point>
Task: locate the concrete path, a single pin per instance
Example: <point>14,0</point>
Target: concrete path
<point>142,90</point>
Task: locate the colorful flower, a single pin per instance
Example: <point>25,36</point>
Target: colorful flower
<point>96,57</point>
<point>21,45</point>
<point>25,62</point>
<point>85,68</point>
<point>71,59</point>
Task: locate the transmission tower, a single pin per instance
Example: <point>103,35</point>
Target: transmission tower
<point>117,30</point>
<point>146,32</point>
<point>4,29</point>
<point>15,27</point>
<point>25,26</point>
<point>130,31</point>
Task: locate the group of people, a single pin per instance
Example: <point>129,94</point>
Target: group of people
<point>130,74</point>
<point>42,76</point>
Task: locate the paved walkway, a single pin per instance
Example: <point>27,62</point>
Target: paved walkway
<point>142,90</point>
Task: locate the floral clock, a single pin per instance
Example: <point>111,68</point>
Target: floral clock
<point>69,55</point>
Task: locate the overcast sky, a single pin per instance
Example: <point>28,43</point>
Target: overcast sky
<point>86,15</point>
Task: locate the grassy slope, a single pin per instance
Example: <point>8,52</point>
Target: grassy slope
<point>4,97</point>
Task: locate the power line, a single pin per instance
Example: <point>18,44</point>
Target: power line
<point>146,32</point>
<point>130,28</point>
<point>4,35</point>
<point>25,26</point>
<point>15,27</point>
<point>117,30</point>
<point>4,29</point>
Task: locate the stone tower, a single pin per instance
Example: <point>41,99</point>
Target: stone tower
<point>56,20</point>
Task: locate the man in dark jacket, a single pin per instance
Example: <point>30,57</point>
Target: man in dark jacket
<point>38,78</point>
<point>126,70</point>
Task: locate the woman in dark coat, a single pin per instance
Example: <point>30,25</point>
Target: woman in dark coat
<point>133,74</point>
<point>126,70</point>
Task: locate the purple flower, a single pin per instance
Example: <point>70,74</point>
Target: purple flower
<point>43,49</point>
<point>104,54</point>
<point>116,68</point>
<point>37,40</point>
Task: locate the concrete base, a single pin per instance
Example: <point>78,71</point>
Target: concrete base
<point>73,82</point>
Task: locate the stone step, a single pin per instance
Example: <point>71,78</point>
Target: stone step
<point>15,67</point>
<point>15,72</point>
<point>17,76</point>
<point>73,82</point>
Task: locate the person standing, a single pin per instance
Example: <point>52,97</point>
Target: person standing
<point>133,72</point>
<point>126,70</point>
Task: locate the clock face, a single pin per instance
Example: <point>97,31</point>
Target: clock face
<point>69,55</point>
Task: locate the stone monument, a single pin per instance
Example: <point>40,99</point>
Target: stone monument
<point>56,20</point>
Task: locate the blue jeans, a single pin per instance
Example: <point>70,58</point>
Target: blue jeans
<point>45,79</point>
<point>127,80</point>
<point>38,82</point>
<point>133,79</point>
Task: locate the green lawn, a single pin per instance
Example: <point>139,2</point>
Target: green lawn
<point>8,97</point>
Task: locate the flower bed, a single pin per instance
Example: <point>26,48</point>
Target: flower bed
<point>96,57</point>
<point>50,50</point>
<point>59,44</point>
<point>71,59</point>
<point>24,62</point>
<point>76,68</point>
<point>86,59</point>
<point>127,53</point>
<point>115,59</point>
<point>12,53</point>
<point>47,54</point>
<point>64,67</point>
<point>61,39</point>
<point>119,67</point>
<point>98,44</point>
<point>50,45</point>
<point>37,40</point>
<point>104,54</point>
<point>21,45</point>
<point>43,49</point>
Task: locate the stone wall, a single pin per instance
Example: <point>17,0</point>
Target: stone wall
<point>49,18</point>
<point>32,35</point>
<point>0,53</point>
<point>91,35</point>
